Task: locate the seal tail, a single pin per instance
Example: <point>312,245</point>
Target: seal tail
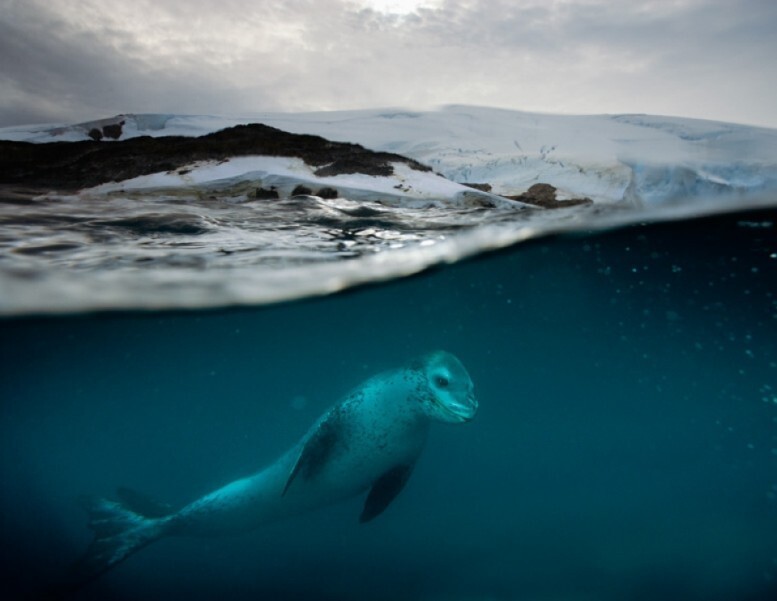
<point>118,533</point>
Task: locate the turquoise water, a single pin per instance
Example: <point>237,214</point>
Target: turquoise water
<point>625,447</point>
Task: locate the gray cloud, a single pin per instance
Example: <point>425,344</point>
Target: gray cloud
<point>64,61</point>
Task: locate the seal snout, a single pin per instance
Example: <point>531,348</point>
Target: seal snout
<point>469,408</point>
<point>463,410</point>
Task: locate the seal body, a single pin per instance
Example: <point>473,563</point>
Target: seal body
<point>368,441</point>
<point>373,430</point>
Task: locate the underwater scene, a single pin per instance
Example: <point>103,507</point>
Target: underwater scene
<point>624,444</point>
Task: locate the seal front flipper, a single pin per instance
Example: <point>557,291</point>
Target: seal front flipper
<point>318,448</point>
<point>384,490</point>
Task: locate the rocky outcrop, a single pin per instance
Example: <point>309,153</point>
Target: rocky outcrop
<point>111,130</point>
<point>267,194</point>
<point>481,187</point>
<point>327,192</point>
<point>544,195</point>
<point>539,195</point>
<point>301,190</point>
<point>76,165</point>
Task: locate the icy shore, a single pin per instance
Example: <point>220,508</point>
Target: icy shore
<point>636,159</point>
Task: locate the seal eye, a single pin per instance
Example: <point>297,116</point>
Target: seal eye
<point>441,381</point>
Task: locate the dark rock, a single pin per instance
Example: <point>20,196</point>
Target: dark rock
<point>95,134</point>
<point>113,131</point>
<point>544,195</point>
<point>357,164</point>
<point>327,193</point>
<point>301,190</point>
<point>541,194</point>
<point>264,194</point>
<point>481,187</point>
<point>74,165</point>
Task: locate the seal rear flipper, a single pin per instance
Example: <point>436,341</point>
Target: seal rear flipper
<point>384,490</point>
<point>118,532</point>
<point>318,448</point>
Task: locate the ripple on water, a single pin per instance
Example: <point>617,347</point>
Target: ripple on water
<point>47,248</point>
<point>147,224</point>
<point>75,253</point>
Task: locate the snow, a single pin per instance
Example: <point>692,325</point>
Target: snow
<point>240,176</point>
<point>634,159</point>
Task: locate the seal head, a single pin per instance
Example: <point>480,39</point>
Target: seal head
<point>449,395</point>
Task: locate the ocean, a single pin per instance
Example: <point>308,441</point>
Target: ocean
<point>625,446</point>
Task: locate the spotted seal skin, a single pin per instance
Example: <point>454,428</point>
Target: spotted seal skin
<point>368,441</point>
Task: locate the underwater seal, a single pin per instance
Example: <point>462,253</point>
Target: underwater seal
<point>368,441</point>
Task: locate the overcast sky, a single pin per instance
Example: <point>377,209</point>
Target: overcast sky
<point>74,60</point>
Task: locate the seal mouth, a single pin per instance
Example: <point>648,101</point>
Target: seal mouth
<point>460,412</point>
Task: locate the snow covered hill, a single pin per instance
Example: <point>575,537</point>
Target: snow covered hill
<point>637,159</point>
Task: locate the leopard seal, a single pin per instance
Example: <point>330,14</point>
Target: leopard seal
<point>370,440</point>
